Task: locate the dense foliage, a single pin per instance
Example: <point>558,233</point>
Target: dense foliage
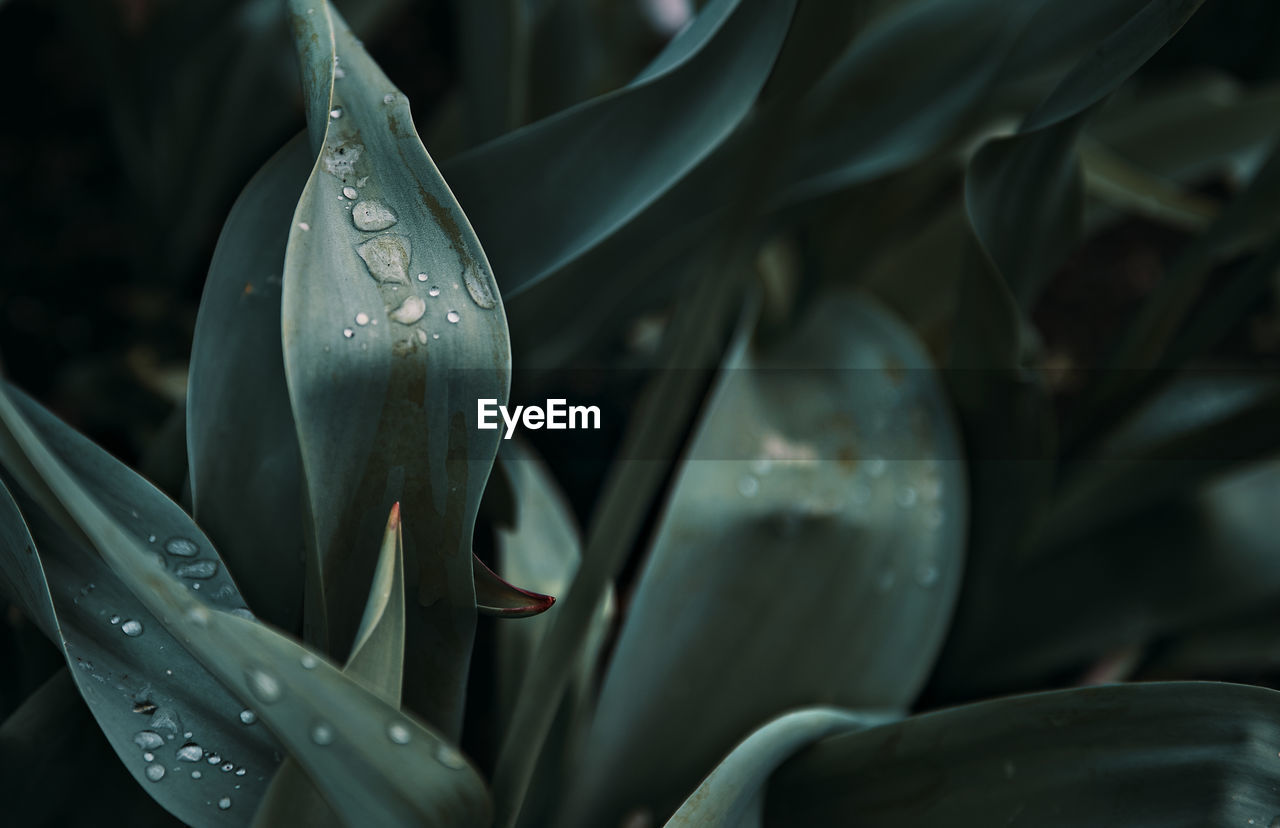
<point>933,340</point>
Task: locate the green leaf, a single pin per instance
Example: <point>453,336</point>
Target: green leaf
<point>1024,193</point>
<point>346,738</point>
<point>1201,425</point>
<point>544,549</point>
<point>376,661</point>
<point>823,499</point>
<point>1206,557</point>
<point>732,795</point>
<point>135,675</point>
<point>544,195</point>
<point>1190,127</point>
<point>943,57</point>
<point>393,328</point>
<point>1139,755</point>
<point>246,473</point>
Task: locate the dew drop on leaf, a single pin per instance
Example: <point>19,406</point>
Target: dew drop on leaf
<point>309,661</point>
<point>198,569</point>
<point>182,547</point>
<point>348,333</point>
<point>225,803</point>
<point>362,318</point>
<point>410,311</point>
<point>335,113</point>
<point>248,717</point>
<point>478,287</point>
<point>264,686</point>
<point>322,734</point>
<point>450,758</point>
<point>350,192</point>
<point>452,316</point>
<point>155,772</point>
<point>433,291</point>
<point>398,733</point>
<point>372,215</point>
<point>387,257</point>
<point>131,628</point>
<point>190,752</point>
<point>148,739</point>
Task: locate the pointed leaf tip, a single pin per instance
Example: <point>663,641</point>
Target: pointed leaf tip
<point>494,596</point>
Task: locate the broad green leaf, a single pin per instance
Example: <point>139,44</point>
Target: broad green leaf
<point>347,739</point>
<point>376,661</point>
<point>544,550</point>
<point>544,195</point>
<point>823,499</point>
<point>147,693</point>
<point>1190,127</point>
<point>1124,186</point>
<point>51,744</point>
<point>662,414</point>
<point>1206,557</point>
<point>1024,193</point>
<point>1143,349</point>
<point>1135,755</point>
<point>1204,423</point>
<point>246,473</point>
<point>943,56</point>
<point>732,795</point>
<point>392,328</point>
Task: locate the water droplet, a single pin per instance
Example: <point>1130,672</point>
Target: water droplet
<point>227,767</point>
<point>198,615</point>
<point>398,733</point>
<point>478,286</point>
<point>927,574</point>
<point>389,98</point>
<point>182,547</point>
<point>151,538</point>
<point>433,291</point>
<point>303,226</point>
<point>214,759</point>
<point>452,316</point>
<point>387,257</point>
<point>748,486</point>
<point>372,215</point>
<point>362,318</point>
<point>144,706</point>
<point>422,337</point>
<point>422,277</point>
<point>435,336</point>
<point>198,569</point>
<point>450,758</point>
<point>166,722</point>
<point>410,311</point>
<point>264,686</point>
<point>224,803</point>
<point>190,752</point>
<point>239,772</point>
<point>335,113</point>
<point>350,192</point>
<point>348,333</point>
<point>149,756</point>
<point>148,739</point>
<point>309,661</point>
<point>243,612</point>
<point>115,619</point>
<point>248,717</point>
<point>195,774</point>
<point>155,772</point>
<point>131,628</point>
<point>322,734</point>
